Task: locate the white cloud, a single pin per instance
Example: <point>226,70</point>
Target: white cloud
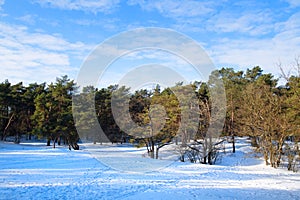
<point>36,57</point>
<point>29,19</point>
<point>94,6</point>
<point>267,53</point>
<point>219,16</point>
<point>176,9</point>
<point>252,23</point>
<point>110,24</point>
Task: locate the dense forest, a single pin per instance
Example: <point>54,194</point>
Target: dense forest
<point>256,107</point>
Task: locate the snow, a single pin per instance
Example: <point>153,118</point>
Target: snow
<point>34,171</point>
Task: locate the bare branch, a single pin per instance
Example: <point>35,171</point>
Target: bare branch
<point>283,74</point>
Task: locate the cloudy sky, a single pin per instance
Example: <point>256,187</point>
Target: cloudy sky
<point>43,39</point>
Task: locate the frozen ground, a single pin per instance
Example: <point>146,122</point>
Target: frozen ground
<point>34,171</point>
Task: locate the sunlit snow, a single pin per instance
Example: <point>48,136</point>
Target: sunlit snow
<point>34,171</point>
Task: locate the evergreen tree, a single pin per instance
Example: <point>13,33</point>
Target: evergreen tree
<point>53,115</point>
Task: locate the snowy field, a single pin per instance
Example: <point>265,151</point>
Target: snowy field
<point>34,171</point>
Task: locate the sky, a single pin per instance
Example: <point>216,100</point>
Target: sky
<point>44,39</point>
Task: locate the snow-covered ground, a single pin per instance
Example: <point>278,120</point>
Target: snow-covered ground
<point>34,171</point>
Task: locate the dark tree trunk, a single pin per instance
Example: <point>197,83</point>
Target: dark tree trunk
<point>58,140</point>
<point>209,158</point>
<point>148,150</point>
<point>152,148</point>
<point>233,144</point>
<point>54,141</point>
<point>231,126</point>
<point>182,158</point>
<point>48,141</point>
<point>204,160</point>
<point>75,146</point>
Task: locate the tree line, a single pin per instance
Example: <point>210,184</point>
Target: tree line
<point>40,111</point>
<point>255,106</point>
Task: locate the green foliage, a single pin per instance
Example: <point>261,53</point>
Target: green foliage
<point>53,113</point>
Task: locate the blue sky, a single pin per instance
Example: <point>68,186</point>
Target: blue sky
<point>43,39</point>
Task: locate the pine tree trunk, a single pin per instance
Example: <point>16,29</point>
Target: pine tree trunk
<point>152,148</point>
<point>233,144</point>
<point>48,141</point>
<point>151,140</point>
<point>58,140</point>
<point>231,127</point>
<point>204,160</point>
<point>7,126</point>
<point>209,158</point>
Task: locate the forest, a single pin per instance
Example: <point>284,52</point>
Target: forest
<point>256,107</point>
